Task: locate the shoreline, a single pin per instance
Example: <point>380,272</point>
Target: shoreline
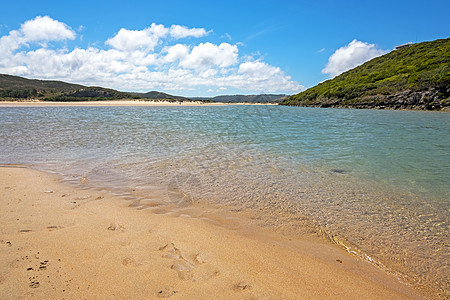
<point>362,107</point>
<point>87,243</point>
<point>34,103</point>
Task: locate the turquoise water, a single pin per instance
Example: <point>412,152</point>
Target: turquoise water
<point>375,181</point>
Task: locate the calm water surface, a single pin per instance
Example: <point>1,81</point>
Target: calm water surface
<point>375,181</point>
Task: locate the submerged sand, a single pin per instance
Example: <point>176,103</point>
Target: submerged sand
<point>57,241</point>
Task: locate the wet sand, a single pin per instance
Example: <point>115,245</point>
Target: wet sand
<point>57,241</point>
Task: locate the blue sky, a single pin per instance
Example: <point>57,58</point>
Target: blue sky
<point>206,48</point>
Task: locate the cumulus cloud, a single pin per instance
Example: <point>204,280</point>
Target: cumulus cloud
<point>46,29</point>
<point>178,32</point>
<point>146,40</point>
<point>176,52</point>
<point>137,60</point>
<point>206,55</point>
<point>40,29</point>
<point>252,68</point>
<point>262,74</point>
<point>354,54</point>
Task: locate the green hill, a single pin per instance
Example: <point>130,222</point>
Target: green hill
<point>161,96</point>
<point>412,77</point>
<point>16,82</point>
<point>18,88</point>
<point>15,87</point>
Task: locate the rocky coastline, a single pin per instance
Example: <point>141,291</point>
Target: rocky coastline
<point>430,99</point>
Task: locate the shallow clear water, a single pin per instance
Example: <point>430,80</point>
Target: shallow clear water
<point>375,181</point>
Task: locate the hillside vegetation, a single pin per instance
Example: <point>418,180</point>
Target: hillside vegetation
<point>161,96</point>
<point>19,88</point>
<point>413,77</point>
<point>15,87</point>
<point>17,83</point>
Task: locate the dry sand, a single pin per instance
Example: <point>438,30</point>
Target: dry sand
<point>37,103</point>
<point>57,241</point>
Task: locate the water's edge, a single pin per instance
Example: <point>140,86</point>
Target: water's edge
<point>373,182</point>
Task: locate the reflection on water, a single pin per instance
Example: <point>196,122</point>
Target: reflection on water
<point>374,181</point>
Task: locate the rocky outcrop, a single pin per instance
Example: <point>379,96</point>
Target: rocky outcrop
<point>424,100</point>
<point>431,99</point>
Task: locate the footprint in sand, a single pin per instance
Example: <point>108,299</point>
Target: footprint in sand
<point>8,243</point>
<point>183,267</point>
<point>200,258</point>
<point>54,227</point>
<point>116,227</point>
<point>242,286</point>
<point>166,293</point>
<point>34,283</point>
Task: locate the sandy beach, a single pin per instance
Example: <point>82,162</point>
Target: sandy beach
<point>37,103</point>
<point>57,241</point>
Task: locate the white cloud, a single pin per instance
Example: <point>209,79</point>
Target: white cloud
<point>206,55</point>
<point>46,29</point>
<point>40,30</point>
<point>354,54</point>
<point>178,32</point>
<point>176,52</point>
<point>10,43</point>
<point>267,77</point>
<point>209,73</point>
<point>137,60</point>
<point>253,68</point>
<point>148,38</point>
<point>145,40</point>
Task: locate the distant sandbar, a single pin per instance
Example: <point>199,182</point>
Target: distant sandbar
<point>36,103</point>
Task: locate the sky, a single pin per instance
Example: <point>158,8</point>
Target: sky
<point>207,48</point>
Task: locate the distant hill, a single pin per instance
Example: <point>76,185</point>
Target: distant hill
<point>263,98</point>
<point>160,96</point>
<point>414,76</point>
<point>15,88</point>
<point>16,82</point>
